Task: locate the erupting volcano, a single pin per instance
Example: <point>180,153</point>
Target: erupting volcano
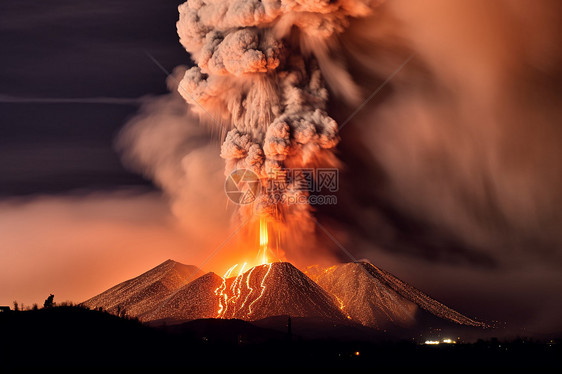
<point>262,74</point>
<point>354,292</point>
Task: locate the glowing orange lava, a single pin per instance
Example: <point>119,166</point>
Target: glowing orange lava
<point>262,289</point>
<point>230,291</point>
<point>342,307</point>
<point>264,240</point>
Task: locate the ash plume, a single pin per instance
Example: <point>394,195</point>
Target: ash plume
<point>260,77</point>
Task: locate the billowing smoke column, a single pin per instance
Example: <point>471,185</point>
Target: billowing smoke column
<point>258,74</point>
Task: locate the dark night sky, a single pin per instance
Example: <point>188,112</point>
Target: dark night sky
<point>76,49</point>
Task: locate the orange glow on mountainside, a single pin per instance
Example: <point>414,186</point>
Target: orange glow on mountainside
<point>230,290</point>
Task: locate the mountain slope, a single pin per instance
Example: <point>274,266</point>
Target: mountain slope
<point>143,293</point>
<point>195,300</point>
<point>353,293</point>
<point>275,289</point>
<point>376,298</point>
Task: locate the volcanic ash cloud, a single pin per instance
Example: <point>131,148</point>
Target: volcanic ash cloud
<point>258,78</point>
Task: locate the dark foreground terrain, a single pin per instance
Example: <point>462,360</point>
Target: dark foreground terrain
<point>73,337</point>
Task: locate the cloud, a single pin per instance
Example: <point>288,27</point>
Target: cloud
<point>458,156</point>
<point>76,246</point>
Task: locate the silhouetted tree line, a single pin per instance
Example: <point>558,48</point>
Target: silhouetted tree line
<point>49,303</point>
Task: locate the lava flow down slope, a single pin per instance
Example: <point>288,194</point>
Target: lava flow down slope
<point>354,292</point>
<point>274,289</point>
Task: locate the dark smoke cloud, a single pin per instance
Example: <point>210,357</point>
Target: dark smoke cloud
<point>461,152</point>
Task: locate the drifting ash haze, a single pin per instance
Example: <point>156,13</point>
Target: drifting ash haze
<point>354,292</point>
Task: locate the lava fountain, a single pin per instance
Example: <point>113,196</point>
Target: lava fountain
<point>264,240</point>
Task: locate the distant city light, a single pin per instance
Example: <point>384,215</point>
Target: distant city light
<point>444,341</point>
